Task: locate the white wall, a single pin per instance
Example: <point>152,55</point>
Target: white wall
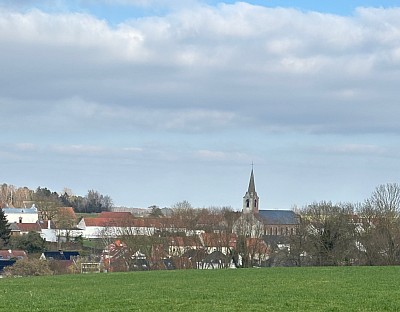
<point>27,215</point>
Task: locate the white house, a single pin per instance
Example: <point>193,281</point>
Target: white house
<point>21,215</point>
<point>48,233</point>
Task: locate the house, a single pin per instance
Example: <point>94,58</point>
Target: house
<point>222,242</point>
<point>106,227</point>
<point>12,254</point>
<point>111,224</point>
<point>93,227</point>
<point>44,228</point>
<point>21,215</point>
<point>9,257</point>
<point>178,245</point>
<point>24,228</point>
<point>115,257</point>
<point>48,231</point>
<point>59,255</point>
<point>115,224</point>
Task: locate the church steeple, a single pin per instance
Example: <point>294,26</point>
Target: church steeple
<point>250,199</point>
<point>252,186</point>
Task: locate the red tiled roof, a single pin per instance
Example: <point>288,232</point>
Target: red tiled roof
<point>8,254</point>
<point>105,222</point>
<point>128,221</point>
<point>219,239</point>
<point>28,227</point>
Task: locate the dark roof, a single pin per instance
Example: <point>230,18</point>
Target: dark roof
<point>6,263</point>
<point>279,216</point>
<point>60,255</point>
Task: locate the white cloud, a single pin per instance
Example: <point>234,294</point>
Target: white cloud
<point>356,149</point>
<point>26,147</point>
<point>225,156</point>
<point>206,68</point>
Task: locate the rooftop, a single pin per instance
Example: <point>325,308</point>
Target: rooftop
<point>279,216</point>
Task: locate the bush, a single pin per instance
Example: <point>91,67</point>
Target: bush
<point>31,242</point>
<point>28,267</point>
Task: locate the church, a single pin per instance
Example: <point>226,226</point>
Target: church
<point>270,222</point>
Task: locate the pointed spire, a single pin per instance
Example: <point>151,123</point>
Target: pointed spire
<point>252,185</point>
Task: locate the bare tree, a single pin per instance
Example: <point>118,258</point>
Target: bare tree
<point>47,203</point>
<point>249,230</point>
<point>22,196</point>
<point>330,233</point>
<point>184,216</point>
<point>380,234</point>
<point>7,195</point>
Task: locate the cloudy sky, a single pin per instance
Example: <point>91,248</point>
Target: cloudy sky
<point>155,102</point>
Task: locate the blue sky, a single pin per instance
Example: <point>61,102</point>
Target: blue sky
<point>155,102</point>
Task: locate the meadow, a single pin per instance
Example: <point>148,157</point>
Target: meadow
<point>269,289</point>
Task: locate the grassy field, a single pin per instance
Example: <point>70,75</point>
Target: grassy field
<point>270,289</point>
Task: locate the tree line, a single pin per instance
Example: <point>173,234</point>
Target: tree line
<point>48,201</point>
<point>366,233</point>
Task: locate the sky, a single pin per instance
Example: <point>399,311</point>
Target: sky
<point>155,102</point>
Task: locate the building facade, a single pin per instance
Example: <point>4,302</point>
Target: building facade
<point>21,215</point>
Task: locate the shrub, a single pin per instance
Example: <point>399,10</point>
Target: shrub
<point>28,267</point>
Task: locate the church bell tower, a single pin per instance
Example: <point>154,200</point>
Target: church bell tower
<point>250,199</point>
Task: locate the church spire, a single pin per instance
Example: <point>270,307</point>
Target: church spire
<point>251,199</point>
<point>252,185</point>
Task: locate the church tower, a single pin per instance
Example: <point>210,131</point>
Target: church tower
<point>250,199</point>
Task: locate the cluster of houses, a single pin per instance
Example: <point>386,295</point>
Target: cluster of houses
<point>177,246</point>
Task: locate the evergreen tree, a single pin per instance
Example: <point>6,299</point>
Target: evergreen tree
<point>4,229</point>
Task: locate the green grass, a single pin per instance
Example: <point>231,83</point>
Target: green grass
<point>270,289</point>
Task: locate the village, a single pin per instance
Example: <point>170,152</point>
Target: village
<point>183,237</point>
<point>186,238</point>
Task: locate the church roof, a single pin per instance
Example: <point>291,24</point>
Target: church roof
<point>279,216</point>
